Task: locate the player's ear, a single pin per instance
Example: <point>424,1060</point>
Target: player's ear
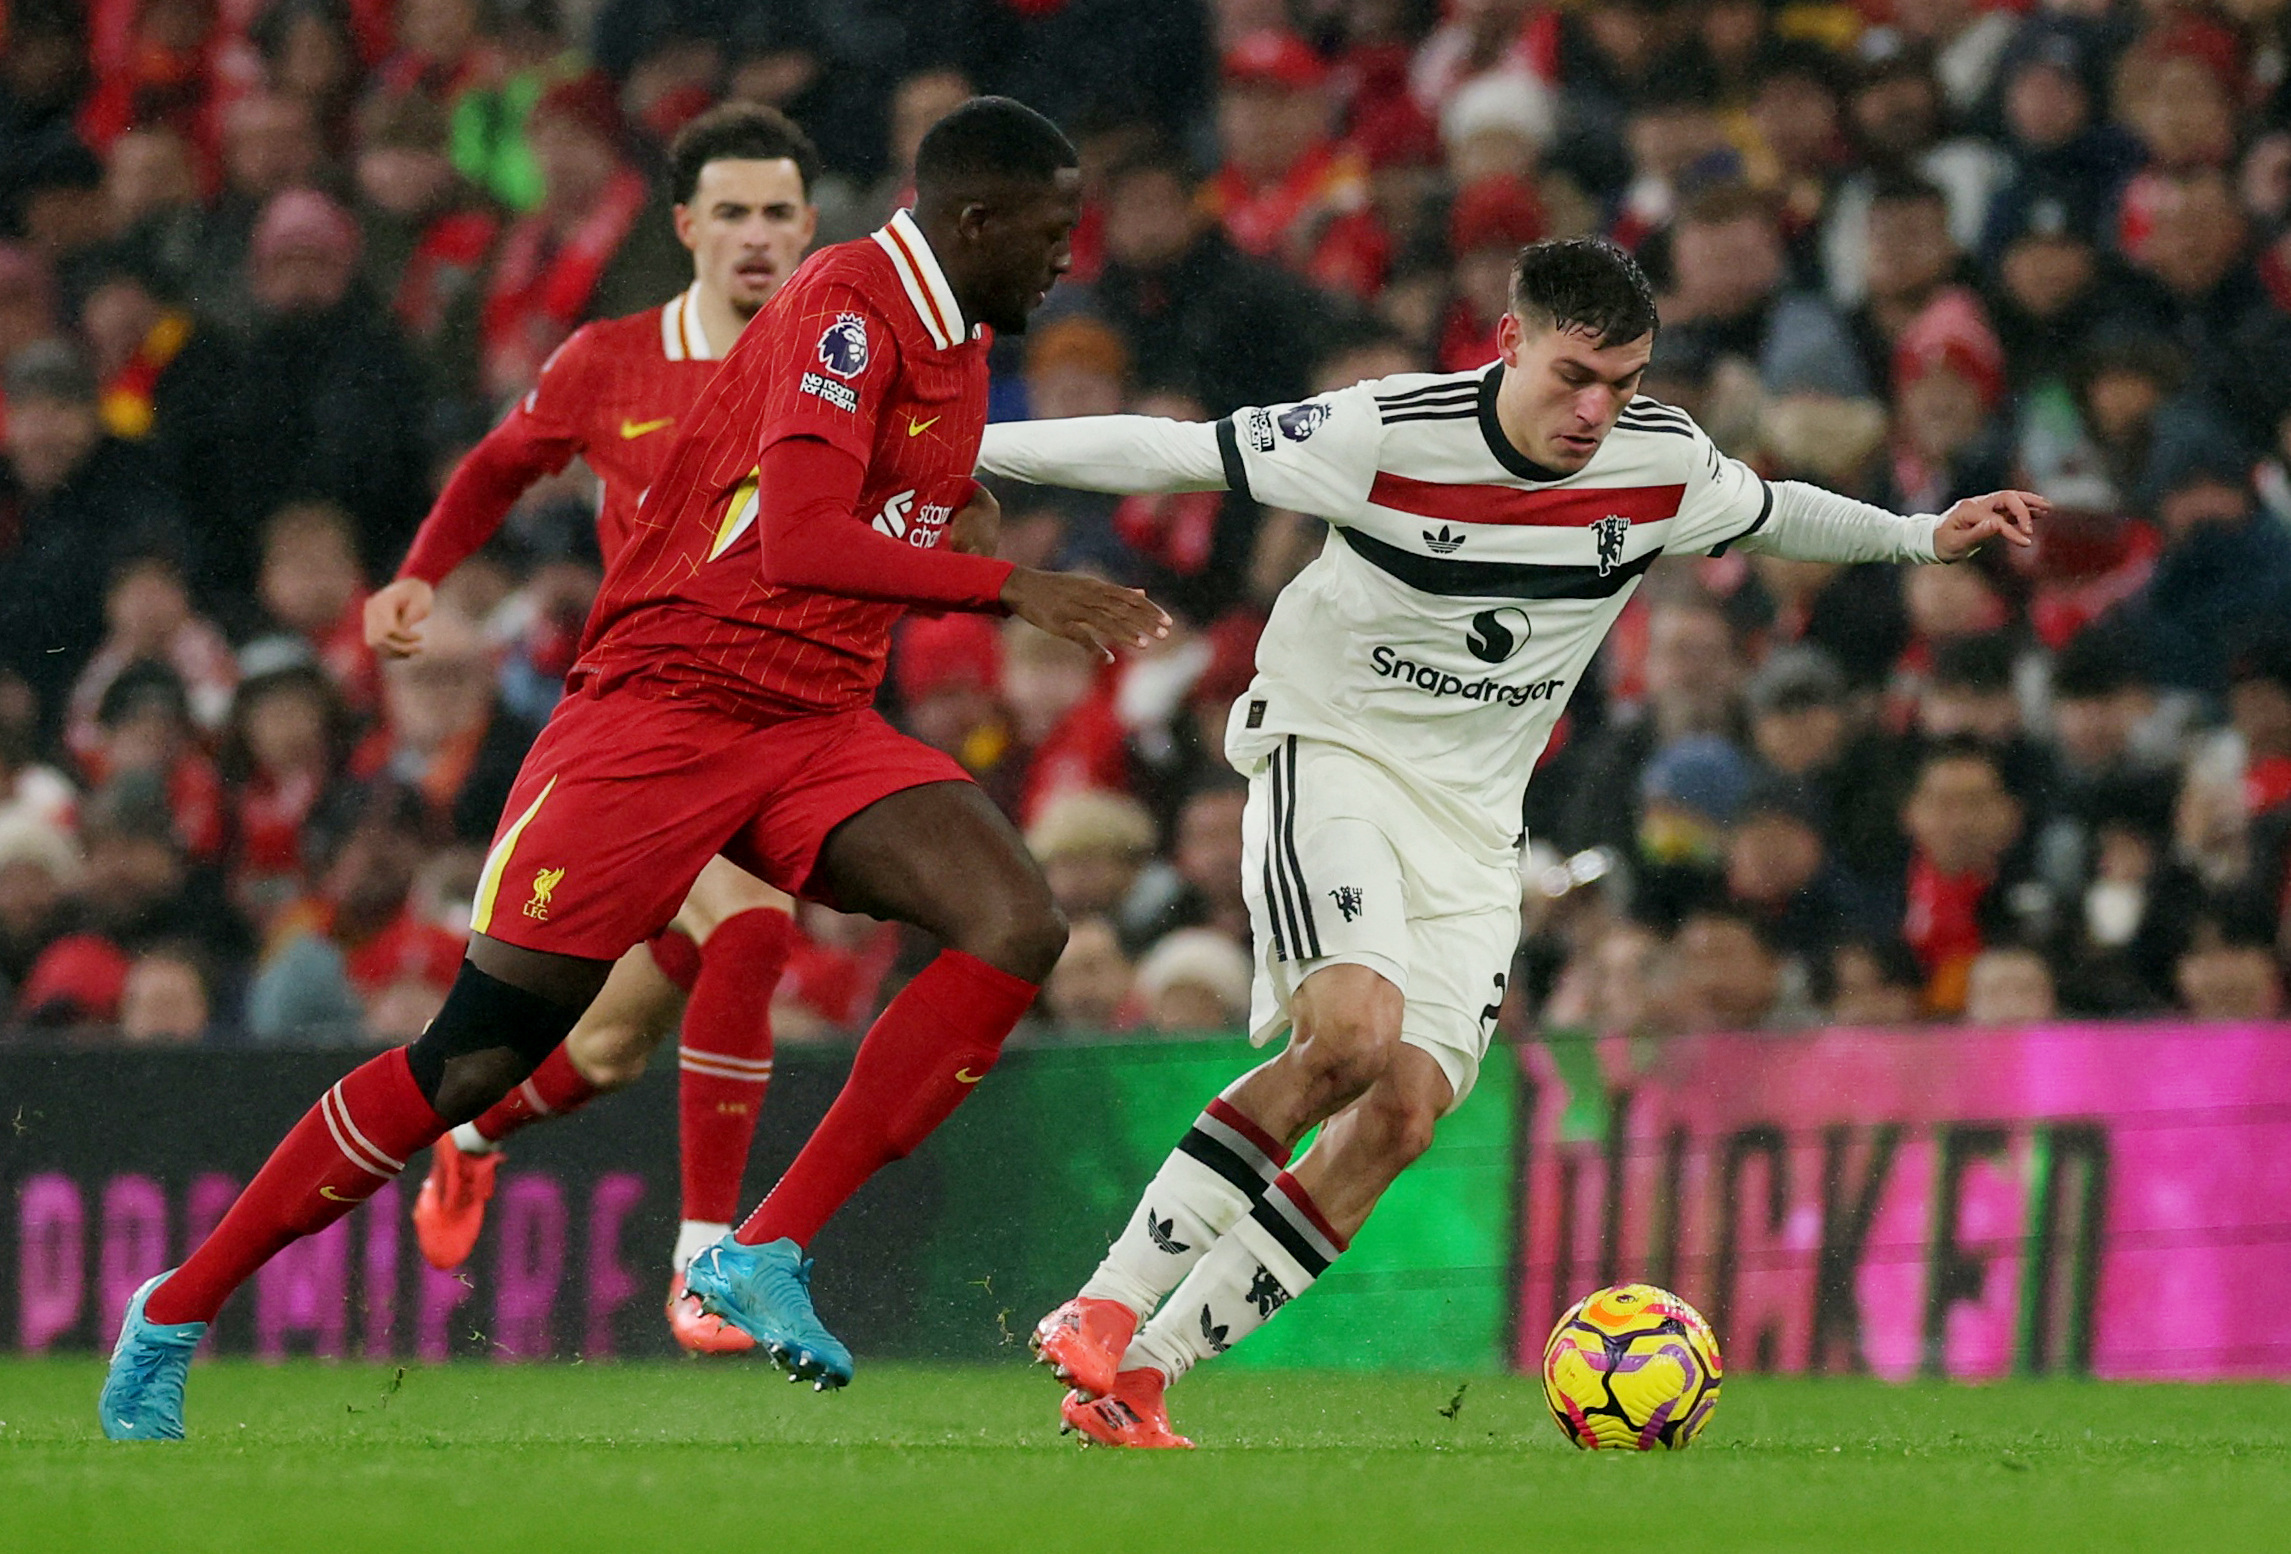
<point>685,222</point>
<point>1511,335</point>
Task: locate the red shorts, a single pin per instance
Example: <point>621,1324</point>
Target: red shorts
<point>625,797</point>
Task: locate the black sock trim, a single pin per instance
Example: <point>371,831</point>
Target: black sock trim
<point>1223,1161</point>
<point>1275,1224</point>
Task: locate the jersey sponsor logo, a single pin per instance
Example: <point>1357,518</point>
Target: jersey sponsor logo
<point>1496,634</point>
<point>630,431</point>
<point>921,527</point>
<point>841,395</point>
<point>1610,532</point>
<point>1348,901</point>
<point>545,882</point>
<point>1260,431</point>
<point>1299,422</point>
<point>1435,681</point>
<point>917,428</point>
<point>843,349</point>
<point>1445,543</point>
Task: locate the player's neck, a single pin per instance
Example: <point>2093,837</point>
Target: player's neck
<point>718,320</point>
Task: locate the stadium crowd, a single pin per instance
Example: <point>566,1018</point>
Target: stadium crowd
<point>268,269</point>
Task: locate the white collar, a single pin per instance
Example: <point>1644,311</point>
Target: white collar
<point>681,337</point>
<point>925,282</point>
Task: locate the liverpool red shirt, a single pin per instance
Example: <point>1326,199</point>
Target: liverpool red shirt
<point>864,359</point>
<point>615,394</point>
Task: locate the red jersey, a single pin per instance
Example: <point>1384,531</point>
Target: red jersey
<point>615,393</point>
<point>773,609</point>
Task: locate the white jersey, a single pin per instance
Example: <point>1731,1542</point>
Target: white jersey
<point>1465,589</point>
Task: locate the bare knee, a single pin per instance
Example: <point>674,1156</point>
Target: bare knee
<point>1347,1029</point>
<point>1396,1123</point>
<point>610,1055</point>
<point>1021,932</point>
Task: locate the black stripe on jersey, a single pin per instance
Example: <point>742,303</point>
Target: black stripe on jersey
<point>1464,412</point>
<point>1467,387</point>
<point>1655,407</point>
<point>1765,511</point>
<point>1286,902</point>
<point>1494,579</point>
<point>1656,428</point>
<point>1229,455</point>
<point>1289,848</point>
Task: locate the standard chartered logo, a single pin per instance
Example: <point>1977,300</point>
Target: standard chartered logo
<point>1432,680</point>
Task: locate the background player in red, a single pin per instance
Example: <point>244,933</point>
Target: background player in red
<point>723,704</point>
<point>614,394</point>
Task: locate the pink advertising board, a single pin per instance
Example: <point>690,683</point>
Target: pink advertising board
<point>2112,1200</point>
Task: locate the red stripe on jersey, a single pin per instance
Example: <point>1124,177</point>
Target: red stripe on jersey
<point>1565,509</point>
<point>922,283</point>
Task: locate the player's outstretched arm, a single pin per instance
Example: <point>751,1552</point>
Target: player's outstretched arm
<point>1124,454</point>
<point>1084,609</point>
<point>1807,523</point>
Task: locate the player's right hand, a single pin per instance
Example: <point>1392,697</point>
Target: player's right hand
<point>394,616</point>
<point>1084,609</point>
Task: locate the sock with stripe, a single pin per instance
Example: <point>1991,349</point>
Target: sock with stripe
<point>1219,1169</point>
<point>724,1059</point>
<point>344,1150</point>
<point>1269,1258</point>
<point>555,1089</point>
<point>925,1052</point>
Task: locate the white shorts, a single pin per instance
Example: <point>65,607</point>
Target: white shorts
<point>1341,864</point>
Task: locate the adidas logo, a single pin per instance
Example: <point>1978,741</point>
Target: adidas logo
<point>1161,1231</point>
<point>1214,1336</point>
<point>1445,543</point>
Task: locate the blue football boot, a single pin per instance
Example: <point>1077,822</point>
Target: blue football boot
<point>765,1292</point>
<point>143,1396</point>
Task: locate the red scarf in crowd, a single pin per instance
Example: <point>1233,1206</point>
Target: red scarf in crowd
<point>542,286</point>
<point>127,398</point>
<point>1943,926</point>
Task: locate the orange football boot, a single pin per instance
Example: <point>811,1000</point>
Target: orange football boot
<point>1131,1413</point>
<point>1083,1342</point>
<point>698,1331</point>
<point>450,1210</point>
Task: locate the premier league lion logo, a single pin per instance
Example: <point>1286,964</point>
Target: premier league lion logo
<point>1300,421</point>
<point>843,349</point>
<point>1610,532</point>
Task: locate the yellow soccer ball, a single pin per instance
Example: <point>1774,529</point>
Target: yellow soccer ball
<point>1632,1367</point>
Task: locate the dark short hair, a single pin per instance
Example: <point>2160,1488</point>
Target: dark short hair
<point>988,138</point>
<point>1156,157</point>
<point>747,132</point>
<point>1584,283</point>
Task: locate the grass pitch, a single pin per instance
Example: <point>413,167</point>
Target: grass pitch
<point>305,1458</point>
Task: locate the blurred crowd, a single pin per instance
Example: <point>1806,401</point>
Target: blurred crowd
<point>267,267</point>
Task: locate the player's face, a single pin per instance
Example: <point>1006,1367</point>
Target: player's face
<point>747,225</point>
<point>1023,244</point>
<point>1562,390</point>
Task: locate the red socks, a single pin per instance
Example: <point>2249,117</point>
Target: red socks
<point>923,1055</point>
<point>344,1150</point>
<point>552,1090</point>
<point>724,1059</point>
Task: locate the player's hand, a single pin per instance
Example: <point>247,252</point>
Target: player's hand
<point>977,529</point>
<point>394,616</point>
<point>1976,520</point>
<point>1084,609</point>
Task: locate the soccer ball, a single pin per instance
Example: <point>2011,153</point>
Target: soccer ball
<point>1632,1366</point>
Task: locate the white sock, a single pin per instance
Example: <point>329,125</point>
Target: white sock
<point>1218,1169</point>
<point>694,1236</point>
<point>469,1141</point>
<point>1265,1261</point>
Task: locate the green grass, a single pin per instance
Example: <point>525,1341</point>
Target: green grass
<point>313,1459</point>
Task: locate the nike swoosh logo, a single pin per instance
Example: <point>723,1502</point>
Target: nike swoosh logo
<point>631,430</point>
<point>331,1196</point>
<point>963,1076</point>
<point>917,428</point>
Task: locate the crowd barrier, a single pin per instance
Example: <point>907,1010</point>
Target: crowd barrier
<point>2105,1199</point>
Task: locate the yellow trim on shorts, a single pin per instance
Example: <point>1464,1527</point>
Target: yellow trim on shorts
<point>497,863</point>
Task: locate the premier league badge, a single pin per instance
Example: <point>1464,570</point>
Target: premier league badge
<point>843,349</point>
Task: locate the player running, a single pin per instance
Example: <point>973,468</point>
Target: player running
<point>723,704</point>
<point>1488,528</point>
<point>614,393</point>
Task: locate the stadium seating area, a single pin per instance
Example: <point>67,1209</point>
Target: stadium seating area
<point>269,268</point>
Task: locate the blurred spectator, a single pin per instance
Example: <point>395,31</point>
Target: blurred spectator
<point>1288,190</point>
<point>2228,972</point>
<point>142,731</point>
<point>2009,986</point>
<point>38,867</point>
<point>1089,988</point>
<point>1901,129</point>
<point>1091,847</point>
<point>1203,881</point>
<point>1948,381</point>
<point>428,236</point>
<point>445,737</point>
<point>1873,983</point>
<point>1723,975</point>
<point>1963,824</point>
<point>1195,979</point>
<point>1778,871</point>
<point>163,999</point>
<point>1689,794</point>
<point>2225,570</point>
<point>310,585</point>
<point>1493,218</point>
<point>1733,303</point>
<point>284,752</point>
<point>76,501</point>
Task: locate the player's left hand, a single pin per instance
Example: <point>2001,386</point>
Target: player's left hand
<point>1970,524</point>
<point>977,529</point>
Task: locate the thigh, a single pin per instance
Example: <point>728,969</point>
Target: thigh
<point>620,803</point>
<point>1462,964</point>
<point>833,770</point>
<point>940,856</point>
<point>725,890</point>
